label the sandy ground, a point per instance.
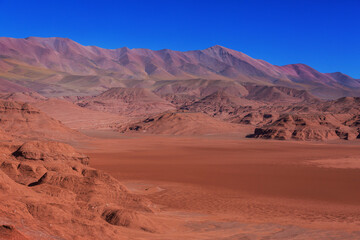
(232, 188)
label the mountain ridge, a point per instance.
(61, 66)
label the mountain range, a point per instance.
(60, 66)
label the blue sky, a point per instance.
(322, 34)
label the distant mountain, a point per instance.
(345, 80)
(59, 66)
(7, 86)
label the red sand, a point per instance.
(243, 181)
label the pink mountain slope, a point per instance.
(58, 64)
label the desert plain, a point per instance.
(230, 188)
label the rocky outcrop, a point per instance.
(128, 218)
(127, 101)
(49, 188)
(49, 151)
(219, 103)
(9, 232)
(24, 121)
(305, 127)
(181, 123)
(279, 94)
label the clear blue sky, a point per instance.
(324, 34)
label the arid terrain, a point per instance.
(229, 188)
(204, 144)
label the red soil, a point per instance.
(251, 182)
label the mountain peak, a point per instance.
(338, 74)
(217, 47)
